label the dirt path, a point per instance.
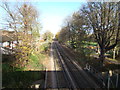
(50, 68)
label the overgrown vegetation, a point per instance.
(29, 53)
(23, 77)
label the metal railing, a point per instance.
(109, 82)
(95, 72)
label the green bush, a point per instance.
(44, 47)
(35, 62)
(8, 68)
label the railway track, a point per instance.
(70, 76)
(68, 79)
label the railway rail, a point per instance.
(71, 75)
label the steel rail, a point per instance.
(66, 73)
(75, 65)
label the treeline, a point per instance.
(94, 22)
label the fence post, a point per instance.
(109, 75)
(89, 67)
(108, 82)
(86, 67)
(117, 80)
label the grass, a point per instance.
(110, 59)
(90, 43)
(34, 60)
(37, 58)
(35, 63)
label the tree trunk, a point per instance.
(98, 49)
(102, 57)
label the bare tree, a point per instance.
(103, 18)
(11, 18)
(24, 21)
